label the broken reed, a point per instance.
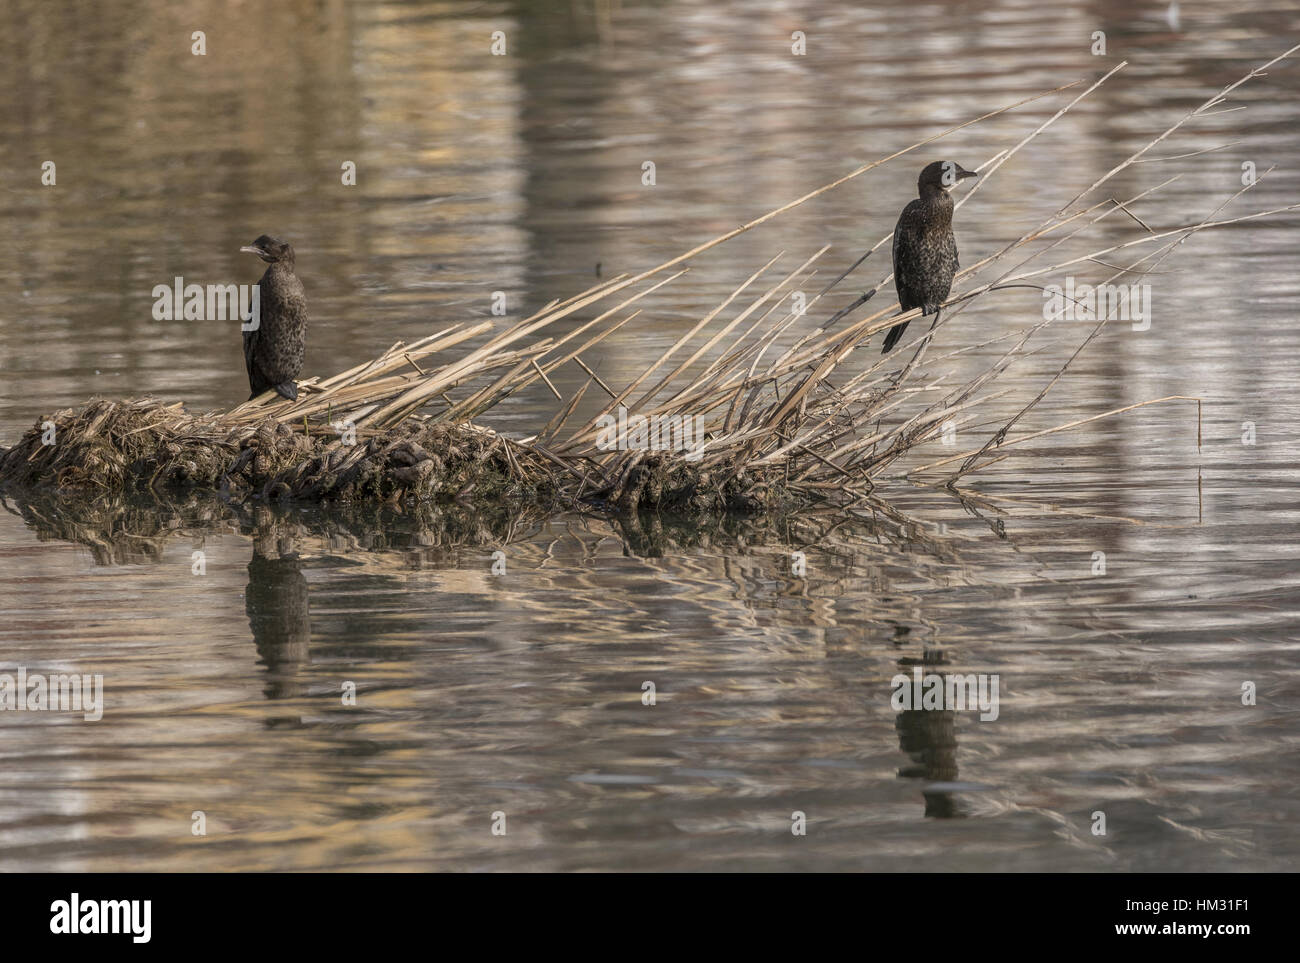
(783, 421)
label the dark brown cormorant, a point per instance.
(925, 250)
(273, 351)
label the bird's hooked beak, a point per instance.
(254, 249)
(961, 174)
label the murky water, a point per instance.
(522, 693)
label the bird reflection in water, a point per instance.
(278, 614)
(929, 737)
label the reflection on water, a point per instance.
(929, 737)
(280, 619)
(522, 692)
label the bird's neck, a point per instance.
(938, 200)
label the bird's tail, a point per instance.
(892, 336)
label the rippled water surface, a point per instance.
(522, 693)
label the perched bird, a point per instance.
(925, 250)
(273, 350)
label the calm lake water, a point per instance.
(1120, 678)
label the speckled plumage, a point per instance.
(273, 352)
(925, 249)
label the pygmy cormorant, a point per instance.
(273, 351)
(925, 250)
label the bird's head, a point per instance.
(270, 249)
(942, 175)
